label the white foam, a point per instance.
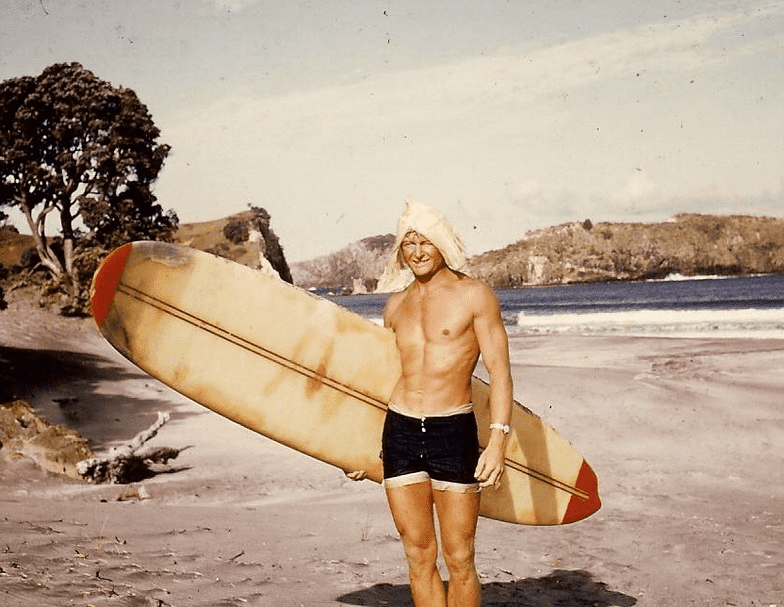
(748, 322)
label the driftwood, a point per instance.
(129, 463)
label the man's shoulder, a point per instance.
(395, 298)
(472, 295)
(393, 303)
(468, 285)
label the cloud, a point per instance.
(525, 192)
(500, 143)
(639, 188)
(234, 5)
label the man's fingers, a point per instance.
(488, 478)
(481, 473)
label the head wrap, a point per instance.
(429, 223)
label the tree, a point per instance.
(74, 146)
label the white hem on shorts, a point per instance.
(420, 477)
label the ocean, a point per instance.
(748, 306)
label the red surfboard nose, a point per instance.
(105, 282)
(578, 507)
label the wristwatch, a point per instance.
(502, 427)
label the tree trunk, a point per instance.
(129, 463)
(45, 253)
(68, 242)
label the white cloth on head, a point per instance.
(431, 224)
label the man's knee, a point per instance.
(421, 553)
(459, 560)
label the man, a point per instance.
(442, 321)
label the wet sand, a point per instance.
(686, 435)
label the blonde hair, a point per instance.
(430, 224)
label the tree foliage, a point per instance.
(236, 231)
(74, 147)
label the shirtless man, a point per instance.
(442, 322)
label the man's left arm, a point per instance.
(494, 347)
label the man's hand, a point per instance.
(357, 475)
(490, 468)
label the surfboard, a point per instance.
(304, 371)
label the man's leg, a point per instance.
(412, 511)
(457, 516)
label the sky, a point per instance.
(507, 115)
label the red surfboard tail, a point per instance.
(580, 508)
(105, 282)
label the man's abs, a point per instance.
(424, 396)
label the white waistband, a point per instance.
(460, 409)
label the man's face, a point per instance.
(421, 255)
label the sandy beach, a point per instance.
(686, 436)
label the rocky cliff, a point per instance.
(690, 245)
(353, 269)
(578, 252)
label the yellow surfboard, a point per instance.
(303, 371)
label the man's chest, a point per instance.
(438, 320)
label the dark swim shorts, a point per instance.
(444, 450)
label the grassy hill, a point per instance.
(12, 247)
(209, 236)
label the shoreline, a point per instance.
(680, 431)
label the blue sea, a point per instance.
(749, 306)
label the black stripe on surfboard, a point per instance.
(250, 346)
(549, 480)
